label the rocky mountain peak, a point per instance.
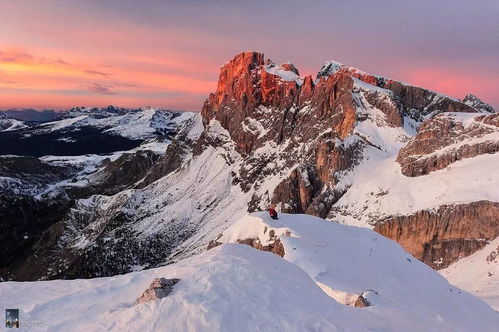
(413, 101)
(287, 66)
(477, 103)
(329, 68)
(231, 72)
(249, 82)
(333, 67)
(8, 123)
(246, 83)
(317, 130)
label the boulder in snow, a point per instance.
(159, 288)
(365, 299)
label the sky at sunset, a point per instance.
(59, 54)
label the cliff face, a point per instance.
(446, 139)
(250, 89)
(440, 237)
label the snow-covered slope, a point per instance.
(235, 287)
(346, 261)
(378, 189)
(478, 273)
(82, 131)
(9, 124)
(76, 161)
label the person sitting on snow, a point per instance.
(273, 212)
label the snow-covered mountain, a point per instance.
(83, 154)
(412, 164)
(7, 123)
(81, 131)
(30, 115)
(134, 124)
(233, 287)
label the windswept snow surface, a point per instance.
(477, 274)
(237, 288)
(346, 261)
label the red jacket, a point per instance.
(272, 212)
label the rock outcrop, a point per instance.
(120, 174)
(273, 244)
(440, 237)
(365, 299)
(478, 104)
(275, 247)
(412, 101)
(493, 256)
(159, 288)
(176, 152)
(255, 102)
(445, 139)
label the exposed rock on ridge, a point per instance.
(159, 288)
(440, 237)
(258, 102)
(414, 101)
(444, 139)
(476, 103)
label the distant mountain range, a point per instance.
(82, 130)
(31, 115)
